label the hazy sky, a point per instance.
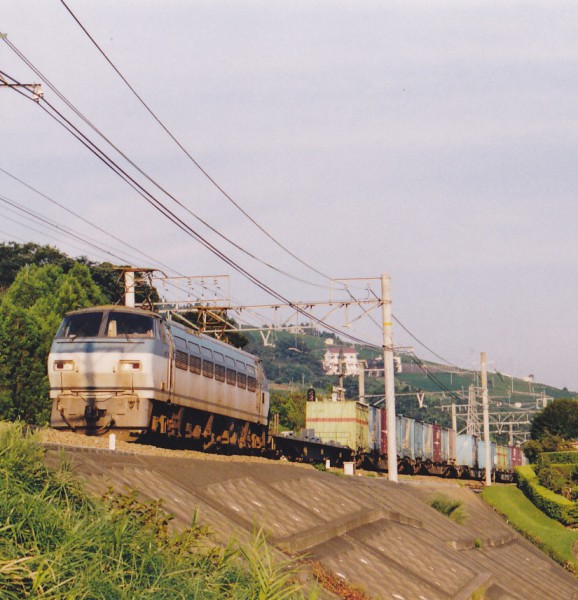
(435, 141)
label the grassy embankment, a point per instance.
(57, 542)
(550, 536)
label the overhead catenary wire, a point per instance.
(204, 172)
(148, 177)
(186, 152)
(61, 228)
(424, 346)
(88, 222)
(43, 233)
(182, 225)
(174, 218)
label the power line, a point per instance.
(191, 158)
(44, 233)
(70, 211)
(141, 100)
(144, 174)
(61, 228)
(135, 166)
(175, 219)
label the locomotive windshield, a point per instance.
(115, 324)
(82, 325)
(122, 324)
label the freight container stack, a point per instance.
(466, 455)
(421, 447)
(374, 433)
(503, 462)
(345, 423)
(482, 457)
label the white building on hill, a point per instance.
(348, 357)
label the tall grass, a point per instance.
(57, 543)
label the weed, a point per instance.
(479, 594)
(449, 507)
(272, 579)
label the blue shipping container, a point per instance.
(466, 450)
(374, 433)
(482, 454)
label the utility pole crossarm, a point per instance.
(35, 88)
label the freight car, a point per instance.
(422, 448)
(131, 371)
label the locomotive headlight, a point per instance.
(130, 365)
(63, 365)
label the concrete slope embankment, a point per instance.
(381, 536)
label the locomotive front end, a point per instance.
(103, 369)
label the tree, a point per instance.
(23, 352)
(560, 418)
(290, 406)
(30, 312)
(14, 257)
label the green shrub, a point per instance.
(555, 506)
(552, 478)
(532, 450)
(549, 535)
(548, 458)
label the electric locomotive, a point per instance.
(133, 372)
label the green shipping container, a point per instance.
(343, 422)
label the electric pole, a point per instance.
(388, 372)
(486, 416)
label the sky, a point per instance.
(434, 141)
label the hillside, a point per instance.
(293, 363)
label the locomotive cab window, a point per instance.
(121, 324)
(80, 325)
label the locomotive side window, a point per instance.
(251, 378)
(121, 324)
(81, 325)
(182, 360)
(195, 358)
(181, 356)
(208, 365)
(219, 366)
(241, 375)
(231, 373)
